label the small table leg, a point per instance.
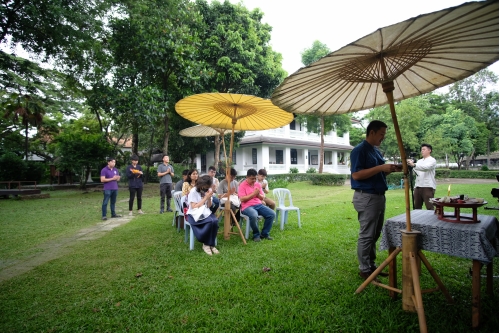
(476, 293)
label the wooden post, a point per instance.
(409, 239)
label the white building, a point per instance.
(278, 150)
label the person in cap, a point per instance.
(135, 184)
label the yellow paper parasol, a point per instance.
(234, 112)
(394, 63)
(204, 131)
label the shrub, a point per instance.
(12, 167)
(311, 170)
(328, 179)
(485, 168)
(35, 171)
(277, 183)
(294, 170)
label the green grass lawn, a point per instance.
(141, 277)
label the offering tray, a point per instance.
(456, 217)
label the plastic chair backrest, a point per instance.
(282, 194)
(177, 200)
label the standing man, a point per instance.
(165, 173)
(368, 180)
(251, 196)
(425, 183)
(110, 177)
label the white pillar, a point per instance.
(263, 157)
(346, 138)
(288, 159)
(198, 162)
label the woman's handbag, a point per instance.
(199, 213)
(234, 200)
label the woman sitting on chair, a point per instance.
(205, 224)
(189, 183)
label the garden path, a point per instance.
(59, 247)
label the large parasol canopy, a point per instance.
(204, 131)
(233, 112)
(394, 63)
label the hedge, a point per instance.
(395, 177)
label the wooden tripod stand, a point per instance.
(228, 217)
(411, 291)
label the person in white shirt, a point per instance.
(425, 183)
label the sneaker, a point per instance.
(266, 237)
(214, 250)
(130, 214)
(140, 211)
(169, 210)
(115, 216)
(161, 211)
(256, 239)
(104, 218)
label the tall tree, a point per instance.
(319, 124)
(155, 42)
(81, 147)
(410, 113)
(235, 55)
(29, 110)
(477, 96)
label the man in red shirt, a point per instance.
(251, 196)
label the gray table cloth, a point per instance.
(476, 241)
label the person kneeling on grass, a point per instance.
(203, 222)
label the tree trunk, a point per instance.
(83, 180)
(322, 146)
(148, 164)
(135, 140)
(165, 137)
(217, 151)
(26, 142)
(488, 152)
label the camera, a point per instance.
(413, 156)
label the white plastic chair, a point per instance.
(281, 194)
(189, 230)
(177, 195)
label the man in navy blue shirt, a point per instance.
(368, 172)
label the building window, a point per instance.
(279, 156)
(314, 159)
(292, 125)
(203, 163)
(254, 155)
(293, 156)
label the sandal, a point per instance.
(207, 249)
(214, 250)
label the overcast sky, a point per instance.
(297, 24)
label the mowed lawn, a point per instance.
(141, 277)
